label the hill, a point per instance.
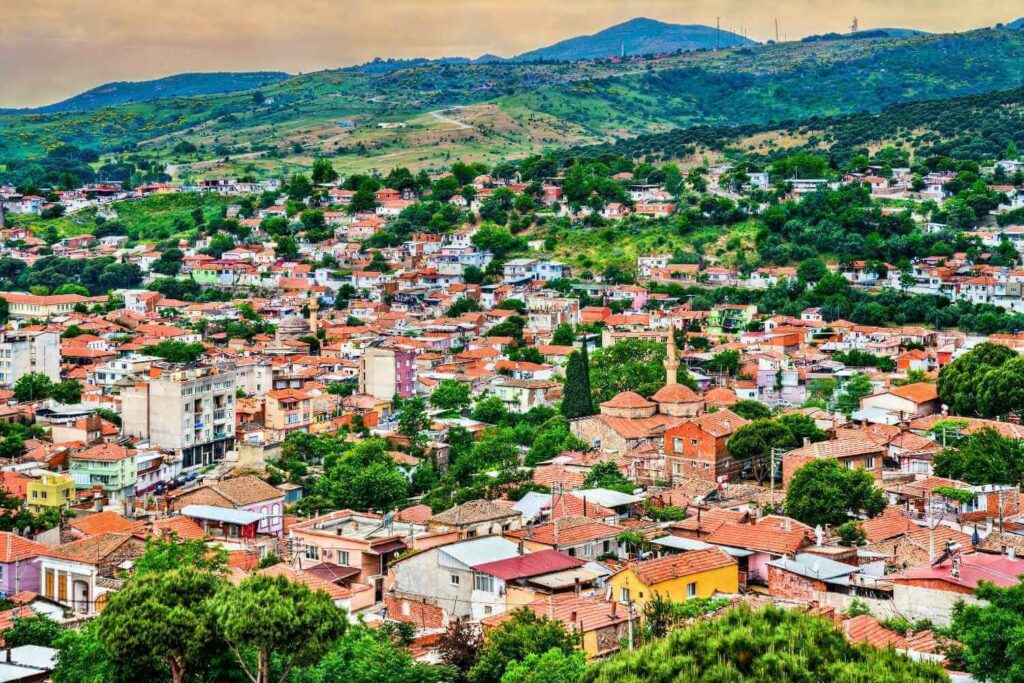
(179, 85)
(638, 36)
(1018, 24)
(422, 114)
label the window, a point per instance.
(484, 582)
(454, 578)
(870, 463)
(677, 468)
(693, 442)
(691, 590)
(677, 444)
(624, 595)
(312, 552)
(588, 550)
(343, 558)
(405, 608)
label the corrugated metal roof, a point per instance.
(218, 514)
(533, 564)
(476, 551)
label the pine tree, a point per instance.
(577, 400)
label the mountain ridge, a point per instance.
(176, 85)
(637, 36)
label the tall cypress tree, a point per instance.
(577, 401)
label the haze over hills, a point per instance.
(178, 85)
(638, 36)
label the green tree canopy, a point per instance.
(631, 365)
(514, 640)
(824, 492)
(451, 394)
(984, 457)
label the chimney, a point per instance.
(576, 589)
(572, 619)
(807, 441)
(1011, 553)
(789, 524)
(519, 548)
(614, 609)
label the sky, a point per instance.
(52, 49)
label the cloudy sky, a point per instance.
(51, 49)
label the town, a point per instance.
(453, 428)
(710, 403)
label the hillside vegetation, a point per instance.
(531, 107)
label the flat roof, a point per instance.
(680, 543)
(219, 514)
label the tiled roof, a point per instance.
(974, 568)
(246, 490)
(182, 527)
(720, 396)
(16, 548)
(89, 550)
(840, 448)
(721, 422)
(571, 531)
(890, 524)
(473, 512)
(551, 474)
(106, 452)
(919, 392)
(627, 399)
(653, 572)
(760, 538)
(591, 612)
(866, 629)
(104, 522)
(676, 393)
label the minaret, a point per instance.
(671, 359)
(314, 306)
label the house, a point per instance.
(931, 590)
(908, 401)
(600, 623)
(49, 490)
(19, 564)
(755, 545)
(522, 578)
(79, 575)
(477, 518)
(692, 574)
(360, 544)
(224, 523)
(107, 465)
(853, 452)
(575, 536)
(247, 492)
(436, 585)
(698, 449)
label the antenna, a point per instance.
(854, 26)
(776, 29)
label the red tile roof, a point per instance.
(761, 538)
(653, 572)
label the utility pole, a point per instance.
(776, 29)
(718, 32)
(629, 621)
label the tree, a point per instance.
(823, 492)
(812, 270)
(299, 188)
(801, 427)
(34, 630)
(276, 620)
(770, 644)
(174, 351)
(491, 410)
(991, 633)
(162, 616)
(369, 655)
(752, 444)
(984, 457)
(413, 421)
(751, 410)
(34, 386)
(631, 365)
(554, 666)
(563, 335)
(523, 634)
(725, 361)
(963, 383)
(163, 555)
(323, 171)
(855, 388)
(451, 395)
(460, 647)
(365, 478)
(577, 400)
(83, 658)
(607, 475)
(68, 392)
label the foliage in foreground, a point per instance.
(771, 644)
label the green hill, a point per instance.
(425, 114)
(179, 85)
(638, 36)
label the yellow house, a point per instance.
(693, 574)
(49, 491)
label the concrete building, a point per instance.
(49, 491)
(27, 306)
(187, 410)
(25, 352)
(386, 372)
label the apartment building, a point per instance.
(22, 352)
(27, 306)
(386, 372)
(187, 410)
